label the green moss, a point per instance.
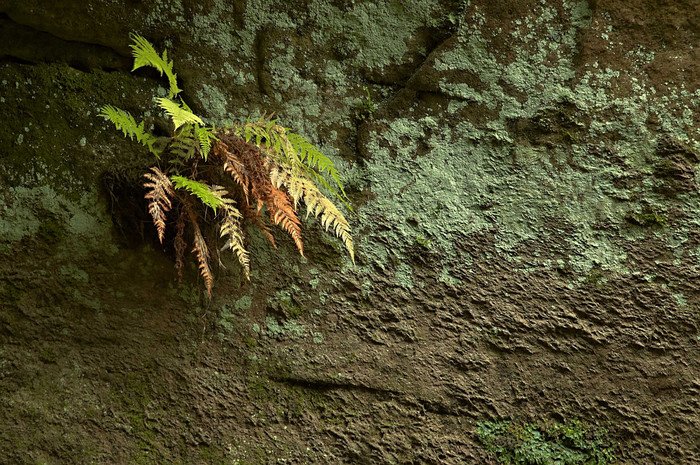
(569, 443)
(61, 151)
(647, 218)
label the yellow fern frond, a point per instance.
(231, 229)
(159, 193)
(178, 114)
(303, 189)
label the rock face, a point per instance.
(525, 180)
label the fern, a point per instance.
(315, 160)
(294, 150)
(183, 146)
(160, 191)
(180, 246)
(145, 55)
(282, 213)
(233, 166)
(253, 174)
(200, 190)
(177, 113)
(127, 124)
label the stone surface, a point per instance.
(527, 226)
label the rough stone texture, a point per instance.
(527, 222)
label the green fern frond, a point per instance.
(127, 124)
(178, 114)
(300, 154)
(146, 55)
(205, 137)
(312, 157)
(200, 190)
(183, 145)
(257, 131)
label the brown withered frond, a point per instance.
(257, 219)
(180, 246)
(247, 165)
(247, 162)
(234, 167)
(202, 252)
(159, 192)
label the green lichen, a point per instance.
(563, 183)
(288, 329)
(371, 34)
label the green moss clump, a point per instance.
(568, 443)
(647, 218)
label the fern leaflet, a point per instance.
(282, 214)
(146, 55)
(314, 159)
(180, 245)
(127, 124)
(202, 252)
(200, 190)
(205, 136)
(231, 229)
(159, 193)
(178, 114)
(183, 145)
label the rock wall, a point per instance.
(525, 180)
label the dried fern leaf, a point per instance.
(146, 55)
(202, 251)
(159, 192)
(258, 221)
(177, 113)
(199, 189)
(234, 167)
(180, 246)
(247, 164)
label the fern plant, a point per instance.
(255, 173)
